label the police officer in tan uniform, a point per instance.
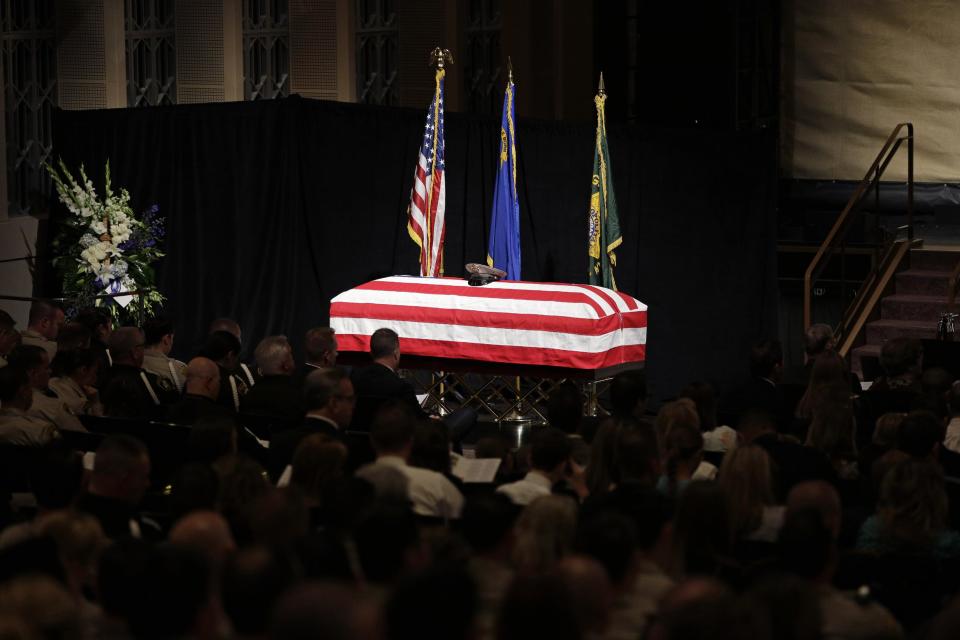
(45, 404)
(16, 426)
(158, 337)
(43, 326)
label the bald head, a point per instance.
(126, 346)
(205, 532)
(821, 497)
(203, 378)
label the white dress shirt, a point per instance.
(523, 492)
(430, 492)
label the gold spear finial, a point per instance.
(509, 70)
(439, 58)
(601, 90)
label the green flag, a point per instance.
(604, 224)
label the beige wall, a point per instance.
(853, 69)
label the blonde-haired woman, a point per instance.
(746, 478)
(544, 533)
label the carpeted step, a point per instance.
(871, 350)
(933, 260)
(923, 282)
(879, 331)
(913, 307)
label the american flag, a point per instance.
(573, 326)
(426, 224)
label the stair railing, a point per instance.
(868, 294)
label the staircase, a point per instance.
(913, 308)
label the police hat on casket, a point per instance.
(481, 274)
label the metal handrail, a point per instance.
(870, 180)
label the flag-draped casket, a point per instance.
(524, 323)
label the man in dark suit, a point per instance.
(128, 390)
(320, 350)
(118, 482)
(201, 389)
(377, 383)
(277, 393)
(223, 348)
(329, 399)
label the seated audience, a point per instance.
(898, 389)
(118, 482)
(276, 393)
(324, 610)
(211, 438)
(808, 548)
(158, 342)
(223, 348)
(832, 432)
(127, 390)
(241, 370)
(885, 436)
(329, 400)
(951, 440)
(99, 325)
(793, 462)
(251, 583)
(320, 350)
(550, 461)
(46, 404)
(911, 513)
(763, 390)
(682, 459)
(487, 526)
(702, 532)
(207, 534)
(539, 606)
(391, 434)
(43, 325)
(602, 471)
(72, 336)
(829, 384)
(588, 584)
(438, 603)
(9, 336)
(378, 383)
(717, 438)
(565, 412)
(319, 471)
(17, 427)
(544, 533)
(747, 483)
(200, 392)
(638, 470)
(241, 481)
(76, 385)
(628, 395)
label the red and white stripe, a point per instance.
(531, 323)
(431, 255)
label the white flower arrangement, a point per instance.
(104, 247)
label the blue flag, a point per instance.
(504, 249)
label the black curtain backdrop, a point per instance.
(274, 207)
